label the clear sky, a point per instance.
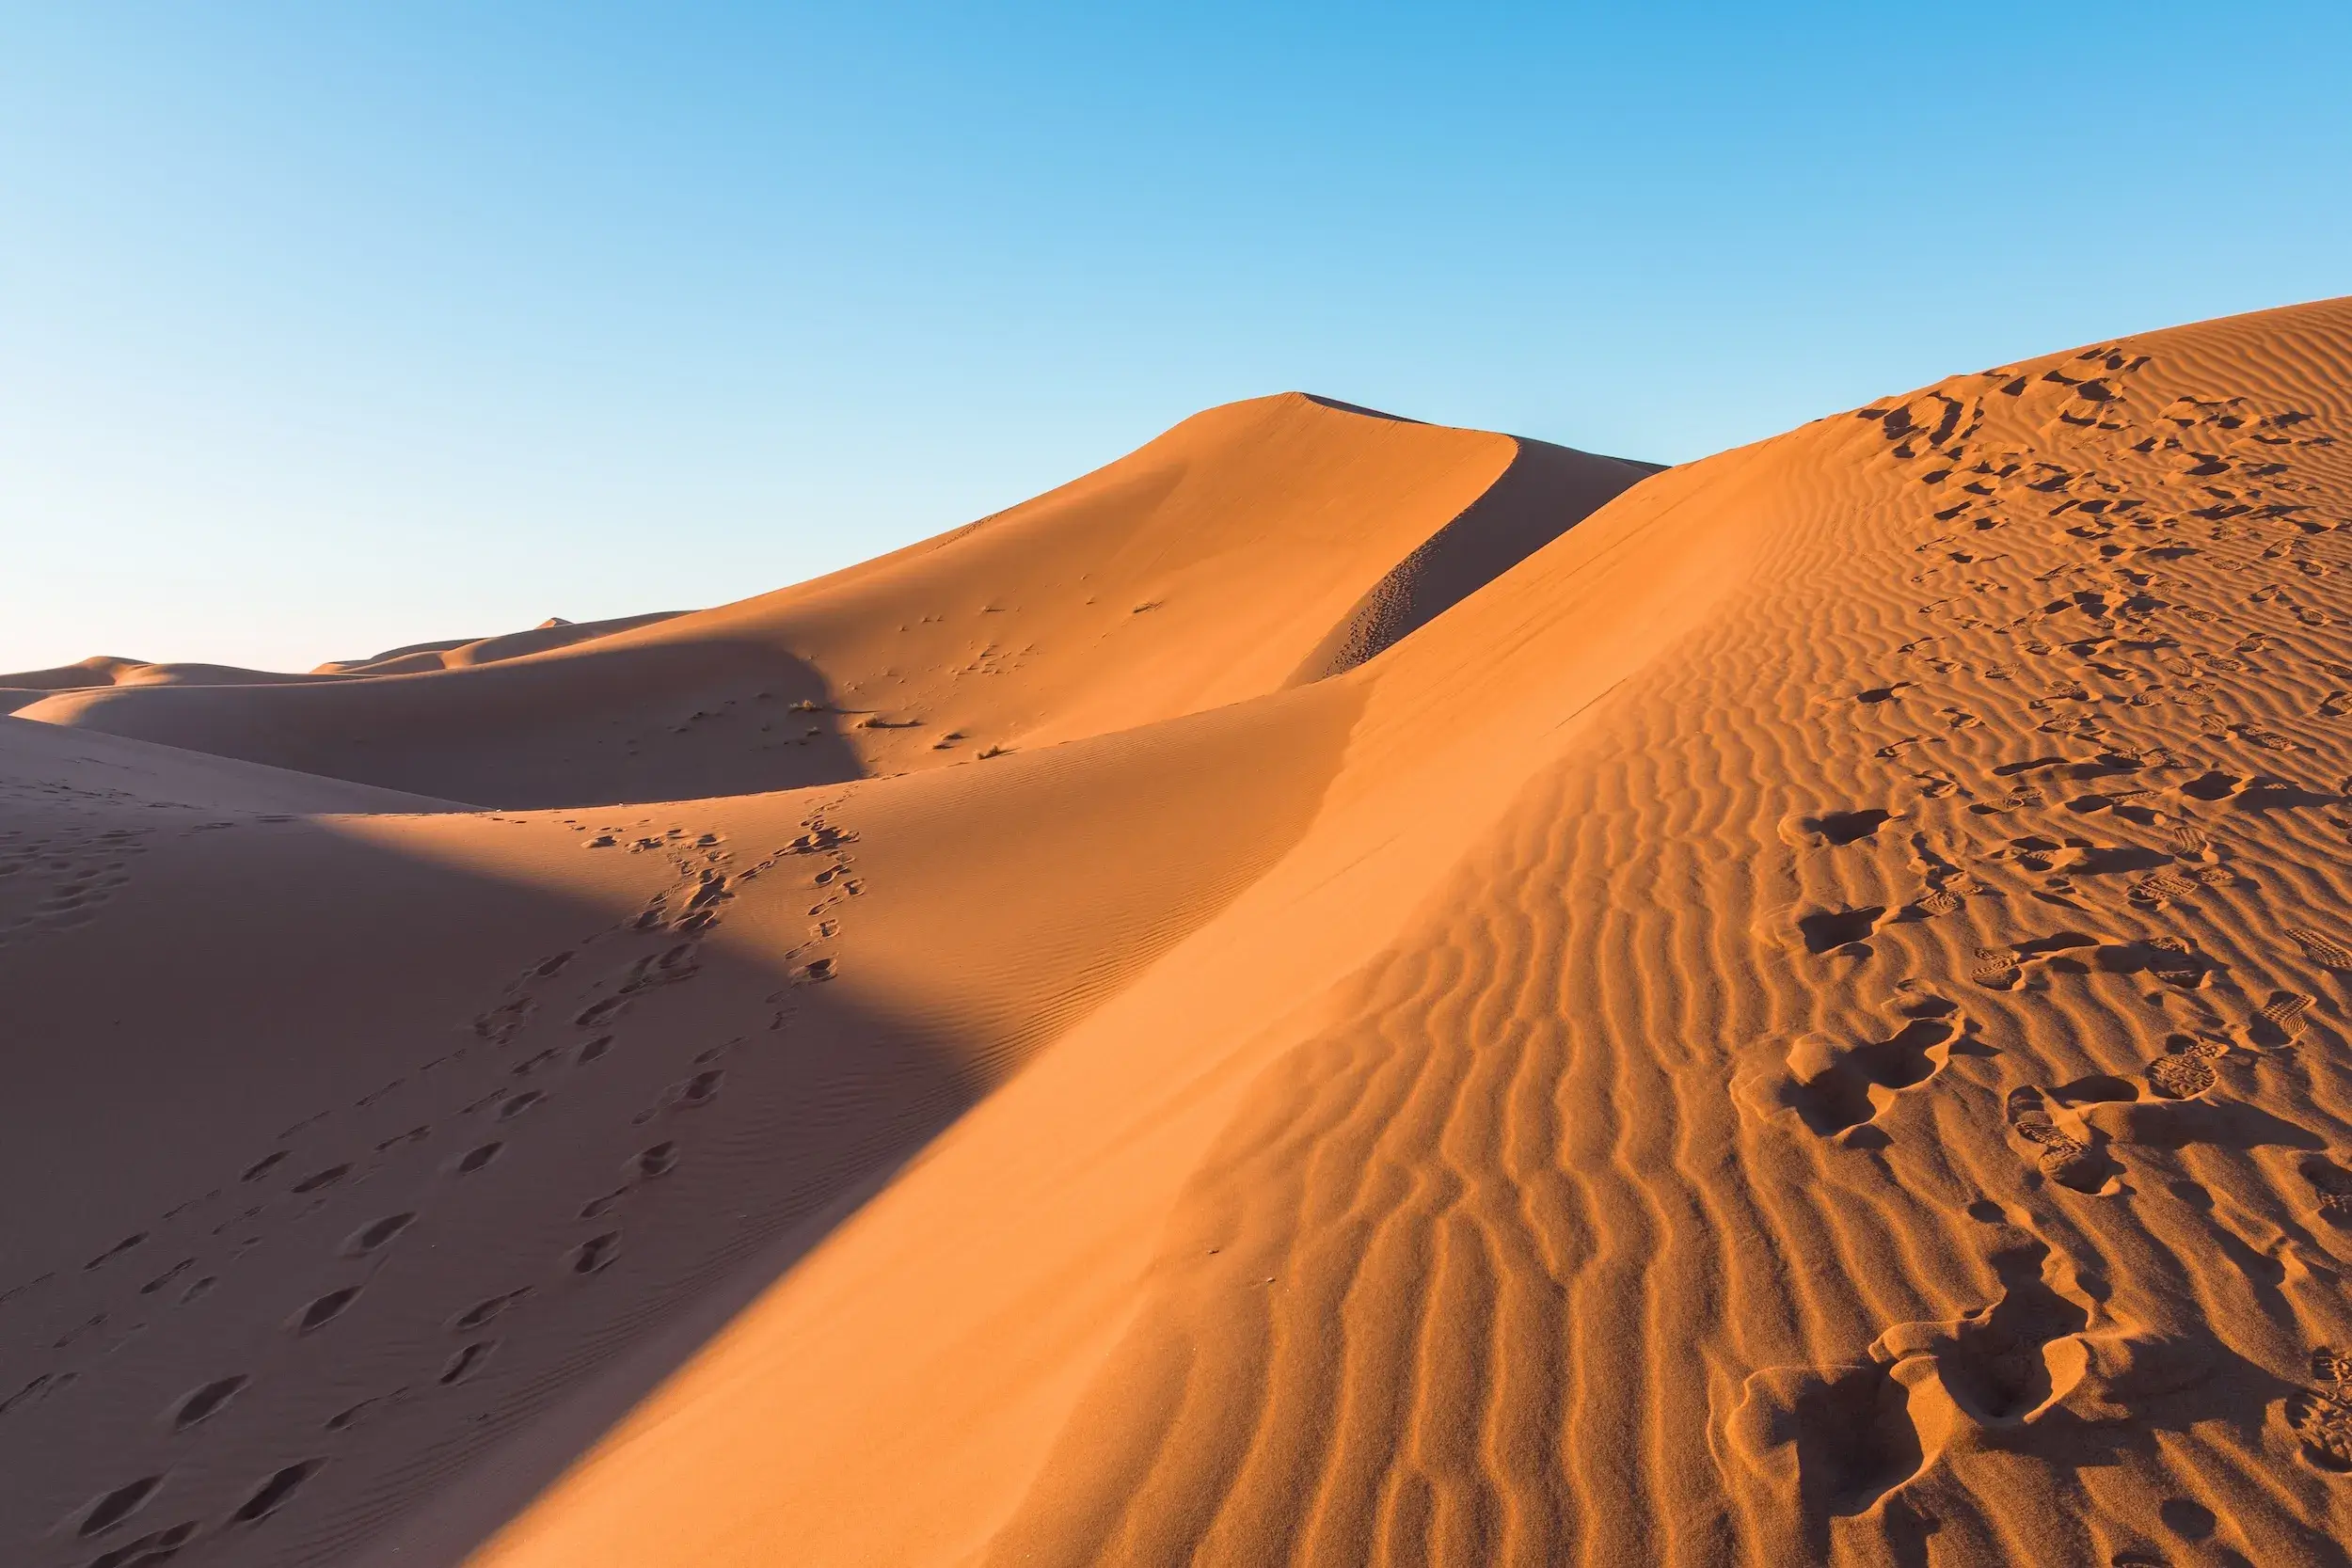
(326, 328)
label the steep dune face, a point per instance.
(1198, 571)
(1799, 1019)
(1545, 488)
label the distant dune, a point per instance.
(1197, 572)
(1337, 990)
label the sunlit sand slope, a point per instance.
(1808, 1024)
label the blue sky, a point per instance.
(329, 327)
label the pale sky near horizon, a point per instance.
(328, 327)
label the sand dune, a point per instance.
(25, 688)
(456, 653)
(1790, 1010)
(1198, 571)
(22, 689)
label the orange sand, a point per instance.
(1336, 991)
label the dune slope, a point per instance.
(1873, 1091)
(417, 1120)
(1800, 1018)
(1199, 570)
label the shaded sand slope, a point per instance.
(79, 811)
(1198, 571)
(45, 769)
(1807, 1026)
(413, 1124)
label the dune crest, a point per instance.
(1198, 571)
(1485, 1005)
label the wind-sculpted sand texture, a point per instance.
(1878, 1097)
(1803, 1020)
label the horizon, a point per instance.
(330, 334)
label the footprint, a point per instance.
(1831, 1088)
(659, 1160)
(272, 1494)
(2321, 1418)
(115, 1251)
(2331, 1188)
(2171, 961)
(2100, 1088)
(483, 1311)
(327, 1178)
(503, 1023)
(1828, 930)
(324, 1310)
(597, 1253)
(2321, 951)
(207, 1402)
(263, 1166)
(344, 1420)
(1833, 827)
(2183, 1077)
(2160, 889)
(1842, 1434)
(2001, 967)
(597, 1014)
(167, 1276)
(474, 1158)
(1995, 1363)
(117, 1506)
(530, 1065)
(515, 1105)
(378, 1234)
(2281, 1019)
(1937, 901)
(698, 1090)
(465, 1363)
(149, 1550)
(2063, 1158)
(1996, 967)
